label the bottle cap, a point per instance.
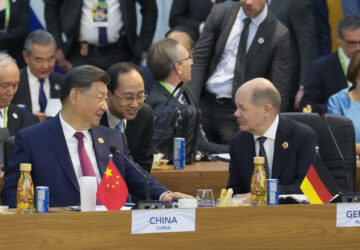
(25, 167)
(258, 160)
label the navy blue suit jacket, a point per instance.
(325, 79)
(290, 164)
(44, 146)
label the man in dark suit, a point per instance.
(102, 39)
(240, 41)
(11, 117)
(289, 146)
(170, 64)
(38, 81)
(327, 74)
(298, 17)
(71, 145)
(127, 112)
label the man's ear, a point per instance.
(177, 68)
(74, 96)
(26, 57)
(268, 110)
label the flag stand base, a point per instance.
(149, 204)
(345, 197)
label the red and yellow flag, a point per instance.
(112, 191)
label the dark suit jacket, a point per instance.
(290, 165)
(298, 17)
(23, 95)
(325, 79)
(13, 39)
(19, 118)
(69, 22)
(189, 13)
(139, 134)
(269, 59)
(44, 146)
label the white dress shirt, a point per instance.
(114, 121)
(72, 144)
(269, 144)
(172, 87)
(2, 118)
(89, 31)
(34, 86)
(221, 81)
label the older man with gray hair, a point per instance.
(11, 116)
(287, 146)
(38, 81)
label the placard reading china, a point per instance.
(162, 221)
(348, 215)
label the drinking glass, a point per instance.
(205, 198)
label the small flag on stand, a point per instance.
(318, 185)
(112, 191)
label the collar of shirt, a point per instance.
(256, 21)
(114, 121)
(172, 87)
(34, 90)
(271, 131)
(346, 59)
(70, 131)
(2, 118)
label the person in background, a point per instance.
(38, 81)
(327, 74)
(350, 7)
(11, 116)
(346, 102)
(14, 27)
(71, 145)
(128, 113)
(288, 147)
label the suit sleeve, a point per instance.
(234, 181)
(350, 7)
(302, 20)
(178, 15)
(149, 18)
(304, 158)
(52, 19)
(19, 31)
(333, 105)
(204, 52)
(279, 73)
(12, 174)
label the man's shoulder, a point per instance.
(56, 78)
(17, 112)
(274, 23)
(295, 127)
(241, 136)
(326, 61)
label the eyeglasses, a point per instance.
(187, 58)
(139, 98)
(351, 43)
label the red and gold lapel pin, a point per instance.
(285, 145)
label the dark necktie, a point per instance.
(102, 33)
(241, 56)
(42, 96)
(262, 153)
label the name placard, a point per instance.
(163, 221)
(348, 215)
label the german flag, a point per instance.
(318, 185)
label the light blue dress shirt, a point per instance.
(341, 104)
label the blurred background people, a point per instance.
(346, 102)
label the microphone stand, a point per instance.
(147, 203)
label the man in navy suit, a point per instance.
(327, 74)
(289, 146)
(56, 147)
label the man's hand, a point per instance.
(246, 198)
(298, 98)
(63, 64)
(174, 196)
(41, 116)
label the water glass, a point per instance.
(205, 198)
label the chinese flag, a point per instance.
(112, 191)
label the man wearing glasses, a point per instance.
(327, 74)
(127, 112)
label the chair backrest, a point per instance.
(344, 133)
(9, 146)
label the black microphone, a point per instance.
(349, 183)
(147, 203)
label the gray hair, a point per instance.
(162, 57)
(40, 37)
(266, 95)
(5, 60)
(349, 22)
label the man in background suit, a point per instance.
(104, 39)
(11, 117)
(298, 17)
(289, 146)
(38, 81)
(128, 113)
(71, 145)
(240, 41)
(327, 74)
